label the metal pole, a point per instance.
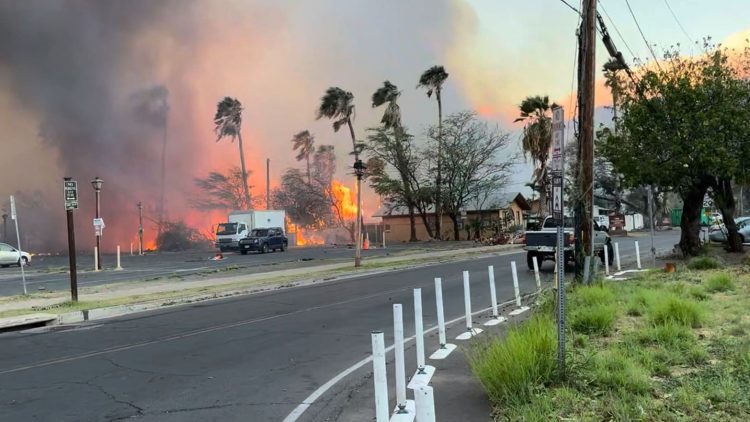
(617, 256)
(98, 236)
(637, 255)
(268, 183)
(425, 404)
(515, 283)
(467, 301)
(440, 314)
(536, 273)
(119, 267)
(419, 330)
(606, 260)
(358, 237)
(140, 228)
(651, 223)
(14, 215)
(72, 257)
(493, 292)
(398, 351)
(96, 258)
(379, 376)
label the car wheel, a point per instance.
(243, 252)
(530, 260)
(611, 253)
(283, 247)
(25, 261)
(264, 248)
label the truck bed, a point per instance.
(542, 238)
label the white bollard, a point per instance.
(445, 348)
(470, 330)
(637, 255)
(496, 318)
(606, 260)
(119, 267)
(617, 256)
(425, 401)
(384, 238)
(96, 259)
(424, 373)
(398, 351)
(521, 309)
(382, 412)
(131, 248)
(536, 273)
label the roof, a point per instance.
(389, 211)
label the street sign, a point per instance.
(558, 133)
(12, 208)
(99, 226)
(558, 205)
(70, 188)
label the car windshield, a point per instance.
(552, 223)
(226, 229)
(259, 232)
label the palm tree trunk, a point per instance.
(308, 168)
(245, 188)
(439, 181)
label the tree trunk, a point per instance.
(308, 169)
(426, 222)
(245, 188)
(456, 230)
(690, 243)
(725, 201)
(412, 225)
(542, 198)
(439, 181)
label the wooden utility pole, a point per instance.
(586, 82)
(268, 183)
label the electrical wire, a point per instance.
(571, 7)
(612, 22)
(679, 23)
(627, 2)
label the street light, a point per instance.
(140, 228)
(359, 170)
(97, 185)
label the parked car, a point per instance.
(264, 240)
(541, 244)
(719, 232)
(9, 256)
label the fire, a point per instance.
(305, 238)
(346, 201)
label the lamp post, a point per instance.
(97, 185)
(140, 228)
(359, 170)
(5, 227)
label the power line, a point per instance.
(612, 22)
(678, 22)
(571, 7)
(627, 2)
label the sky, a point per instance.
(70, 70)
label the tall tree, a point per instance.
(304, 144)
(537, 140)
(388, 94)
(432, 80)
(222, 191)
(338, 105)
(228, 123)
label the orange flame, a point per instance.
(346, 202)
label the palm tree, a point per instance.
(537, 140)
(338, 105)
(305, 143)
(228, 123)
(432, 79)
(388, 94)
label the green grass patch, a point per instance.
(513, 368)
(612, 370)
(593, 294)
(672, 309)
(593, 320)
(703, 263)
(720, 282)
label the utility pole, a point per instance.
(585, 153)
(268, 183)
(140, 228)
(70, 188)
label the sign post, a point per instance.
(70, 188)
(21, 263)
(558, 207)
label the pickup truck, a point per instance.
(264, 240)
(541, 244)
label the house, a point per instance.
(474, 222)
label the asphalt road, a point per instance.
(50, 273)
(252, 358)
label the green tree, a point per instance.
(228, 123)
(432, 80)
(537, 140)
(685, 127)
(222, 191)
(304, 143)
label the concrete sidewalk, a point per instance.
(127, 297)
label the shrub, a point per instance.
(703, 263)
(593, 319)
(511, 369)
(719, 283)
(613, 370)
(671, 309)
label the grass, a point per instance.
(703, 263)
(659, 347)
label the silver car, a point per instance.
(719, 233)
(9, 256)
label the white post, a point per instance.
(131, 248)
(637, 255)
(493, 293)
(425, 402)
(96, 259)
(606, 260)
(536, 273)
(470, 330)
(517, 291)
(617, 256)
(119, 267)
(383, 237)
(382, 412)
(445, 349)
(398, 345)
(419, 330)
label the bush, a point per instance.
(721, 282)
(511, 369)
(703, 263)
(594, 319)
(671, 309)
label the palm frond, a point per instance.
(228, 118)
